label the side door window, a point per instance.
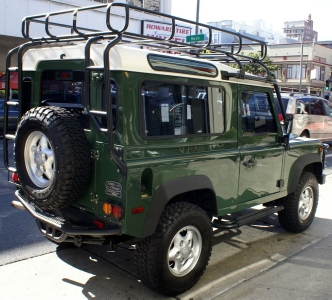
(256, 113)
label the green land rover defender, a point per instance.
(152, 142)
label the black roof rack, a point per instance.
(227, 53)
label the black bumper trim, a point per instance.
(60, 224)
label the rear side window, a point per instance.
(181, 110)
(62, 86)
(257, 116)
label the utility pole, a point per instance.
(301, 61)
(197, 15)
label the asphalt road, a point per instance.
(237, 254)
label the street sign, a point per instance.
(194, 38)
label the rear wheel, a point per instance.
(300, 206)
(175, 257)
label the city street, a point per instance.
(32, 267)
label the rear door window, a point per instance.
(62, 86)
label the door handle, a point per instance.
(249, 163)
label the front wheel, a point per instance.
(176, 255)
(300, 206)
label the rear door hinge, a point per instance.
(94, 198)
(95, 154)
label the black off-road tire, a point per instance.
(62, 147)
(294, 217)
(188, 223)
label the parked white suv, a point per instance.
(312, 115)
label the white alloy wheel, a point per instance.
(184, 251)
(306, 203)
(39, 159)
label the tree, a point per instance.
(256, 69)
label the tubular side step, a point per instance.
(247, 218)
(12, 103)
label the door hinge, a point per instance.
(94, 198)
(95, 154)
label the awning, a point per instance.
(13, 85)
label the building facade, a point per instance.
(297, 29)
(255, 29)
(306, 71)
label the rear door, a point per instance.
(261, 155)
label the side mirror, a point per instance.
(287, 130)
(289, 123)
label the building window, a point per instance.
(215, 38)
(293, 71)
(320, 73)
(153, 5)
(277, 73)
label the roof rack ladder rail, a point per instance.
(113, 153)
(7, 137)
(20, 51)
(87, 71)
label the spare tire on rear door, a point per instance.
(52, 157)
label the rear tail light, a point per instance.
(115, 210)
(15, 177)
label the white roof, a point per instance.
(122, 58)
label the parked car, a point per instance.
(312, 115)
(12, 117)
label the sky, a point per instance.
(274, 13)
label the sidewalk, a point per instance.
(305, 275)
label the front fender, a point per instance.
(299, 165)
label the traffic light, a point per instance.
(327, 85)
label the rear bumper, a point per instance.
(56, 228)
